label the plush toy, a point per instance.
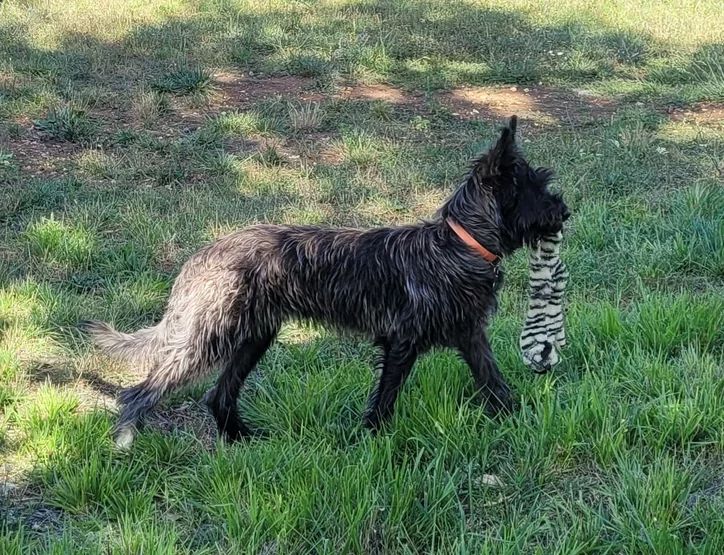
(544, 334)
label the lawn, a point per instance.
(133, 132)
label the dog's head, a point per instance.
(527, 208)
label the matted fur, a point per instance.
(407, 288)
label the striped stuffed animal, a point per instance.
(544, 334)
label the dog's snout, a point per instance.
(566, 213)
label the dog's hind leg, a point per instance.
(135, 403)
(397, 360)
(222, 398)
(176, 368)
(490, 383)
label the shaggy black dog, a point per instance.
(407, 288)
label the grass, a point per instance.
(149, 105)
(184, 81)
(306, 117)
(66, 124)
(132, 135)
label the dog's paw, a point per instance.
(123, 437)
(373, 423)
(243, 433)
(208, 397)
(499, 400)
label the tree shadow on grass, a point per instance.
(428, 48)
(418, 46)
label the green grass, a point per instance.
(66, 124)
(132, 135)
(184, 81)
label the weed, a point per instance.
(100, 164)
(148, 105)
(8, 166)
(306, 117)
(58, 242)
(270, 156)
(67, 124)
(308, 66)
(185, 81)
(361, 148)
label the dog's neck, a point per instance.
(469, 240)
(476, 211)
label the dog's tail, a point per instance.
(138, 347)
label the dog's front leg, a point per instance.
(396, 362)
(490, 383)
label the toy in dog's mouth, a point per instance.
(544, 334)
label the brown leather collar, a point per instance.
(470, 241)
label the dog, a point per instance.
(408, 289)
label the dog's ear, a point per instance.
(501, 159)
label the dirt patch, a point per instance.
(379, 92)
(232, 91)
(316, 148)
(36, 156)
(236, 90)
(712, 491)
(305, 150)
(710, 114)
(239, 90)
(542, 106)
(21, 505)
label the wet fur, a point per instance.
(407, 288)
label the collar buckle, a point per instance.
(496, 273)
